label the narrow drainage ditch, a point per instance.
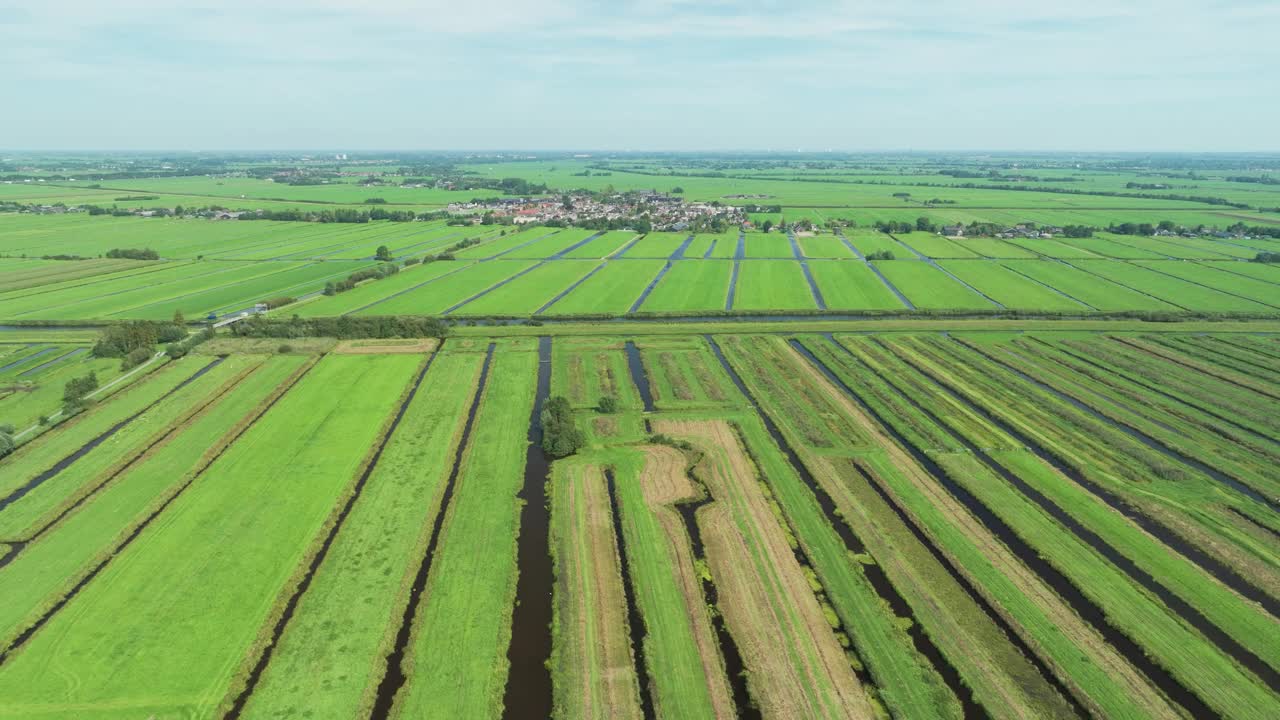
(635, 364)
(529, 689)
(255, 674)
(1050, 575)
(874, 573)
(1173, 602)
(88, 447)
(27, 634)
(635, 623)
(394, 677)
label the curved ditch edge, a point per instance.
(635, 622)
(264, 658)
(875, 574)
(734, 668)
(1181, 608)
(1206, 562)
(88, 447)
(1088, 611)
(128, 463)
(393, 677)
(528, 691)
(27, 634)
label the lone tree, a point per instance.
(383, 253)
(77, 388)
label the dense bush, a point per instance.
(135, 358)
(343, 328)
(275, 302)
(77, 388)
(120, 340)
(880, 255)
(607, 405)
(133, 254)
(560, 434)
(377, 273)
(1266, 257)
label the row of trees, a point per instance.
(133, 253)
(385, 270)
(344, 328)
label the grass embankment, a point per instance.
(1211, 675)
(796, 665)
(974, 643)
(363, 584)
(1079, 657)
(98, 465)
(52, 564)
(215, 564)
(593, 668)
(468, 599)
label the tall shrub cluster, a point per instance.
(560, 434)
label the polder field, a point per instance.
(223, 268)
(532, 471)
(826, 518)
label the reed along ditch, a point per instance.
(529, 691)
(874, 573)
(635, 623)
(961, 579)
(1187, 363)
(88, 447)
(259, 667)
(1173, 602)
(1211, 565)
(1145, 439)
(636, 366)
(1088, 610)
(27, 634)
(394, 678)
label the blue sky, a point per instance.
(663, 74)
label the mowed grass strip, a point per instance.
(31, 510)
(437, 296)
(994, 248)
(1009, 288)
(46, 450)
(929, 288)
(824, 246)
(363, 585)
(603, 246)
(773, 245)
(772, 285)
(657, 245)
(1210, 276)
(371, 291)
(1174, 290)
(593, 669)
(47, 567)
(550, 246)
(691, 285)
(852, 286)
(1090, 289)
(680, 646)
(456, 663)
(612, 291)
(215, 565)
(527, 293)
(935, 246)
(797, 667)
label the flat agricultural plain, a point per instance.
(905, 439)
(767, 521)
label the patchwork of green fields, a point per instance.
(1017, 524)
